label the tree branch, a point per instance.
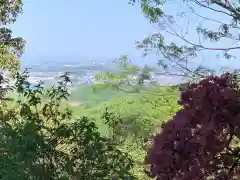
(215, 10)
(228, 6)
(198, 45)
(209, 19)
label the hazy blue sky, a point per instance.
(96, 29)
(90, 29)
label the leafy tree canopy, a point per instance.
(183, 35)
(188, 28)
(201, 141)
(10, 47)
(40, 139)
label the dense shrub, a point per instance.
(37, 140)
(201, 140)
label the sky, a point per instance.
(97, 30)
(80, 29)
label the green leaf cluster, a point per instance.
(40, 140)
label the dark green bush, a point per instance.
(38, 140)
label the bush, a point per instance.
(201, 140)
(37, 140)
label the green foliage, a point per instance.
(10, 48)
(39, 140)
(133, 119)
(141, 113)
(9, 10)
(138, 112)
(186, 32)
(89, 97)
(129, 78)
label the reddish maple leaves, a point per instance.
(201, 141)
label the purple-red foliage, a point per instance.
(197, 143)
